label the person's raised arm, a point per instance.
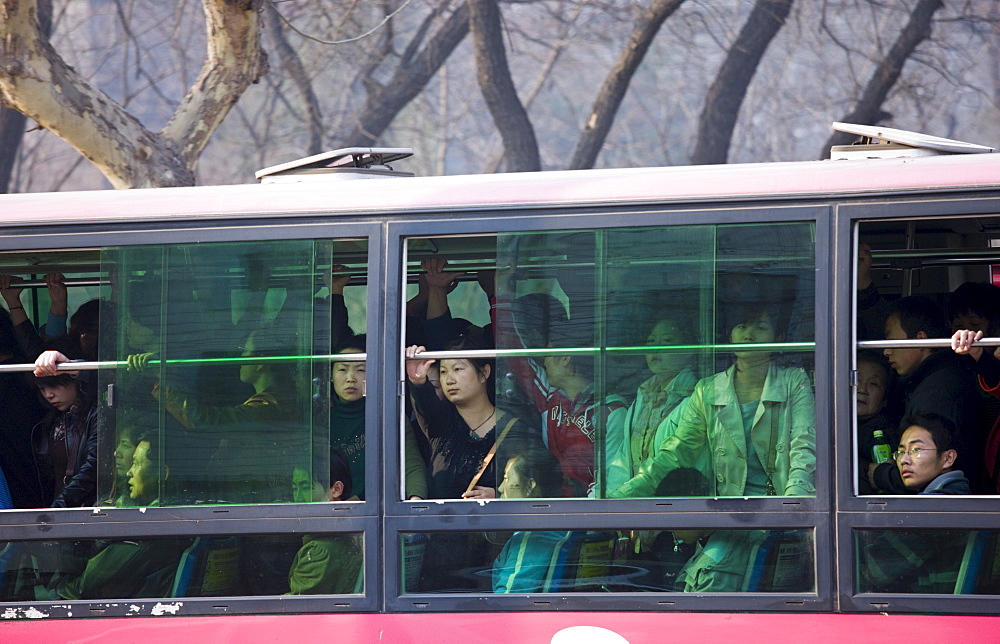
(55, 324)
(439, 283)
(12, 298)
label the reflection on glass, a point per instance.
(928, 561)
(557, 561)
(205, 566)
(607, 343)
(219, 340)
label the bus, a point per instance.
(646, 424)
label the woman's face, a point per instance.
(460, 381)
(758, 331)
(872, 383)
(61, 397)
(123, 454)
(513, 486)
(349, 379)
(664, 333)
(142, 483)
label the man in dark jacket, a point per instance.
(923, 561)
(934, 381)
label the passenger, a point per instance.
(919, 561)
(28, 337)
(347, 411)
(873, 309)
(65, 441)
(462, 428)
(525, 563)
(721, 559)
(673, 380)
(974, 306)
(20, 410)
(926, 456)
(270, 380)
(756, 420)
(872, 395)
(131, 569)
(987, 367)
(326, 564)
(129, 426)
(934, 381)
(440, 327)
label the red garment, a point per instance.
(991, 451)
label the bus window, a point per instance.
(219, 340)
(572, 316)
(561, 561)
(940, 562)
(926, 279)
(203, 566)
(218, 353)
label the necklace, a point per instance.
(485, 420)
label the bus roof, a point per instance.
(570, 188)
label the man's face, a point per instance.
(903, 361)
(306, 489)
(926, 464)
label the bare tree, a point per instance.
(292, 65)
(609, 99)
(36, 81)
(725, 96)
(868, 110)
(520, 145)
(417, 65)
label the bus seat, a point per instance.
(972, 562)
(582, 562)
(778, 563)
(208, 568)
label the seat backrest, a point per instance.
(209, 567)
(972, 562)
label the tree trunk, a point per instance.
(510, 117)
(725, 96)
(37, 82)
(602, 116)
(868, 110)
(12, 122)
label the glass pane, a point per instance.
(928, 561)
(560, 561)
(206, 566)
(222, 399)
(573, 315)
(927, 279)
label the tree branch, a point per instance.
(409, 79)
(234, 61)
(609, 99)
(725, 96)
(868, 110)
(37, 82)
(498, 88)
(293, 66)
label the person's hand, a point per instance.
(864, 266)
(56, 284)
(47, 364)
(416, 370)
(11, 294)
(963, 342)
(480, 492)
(437, 277)
(337, 278)
(137, 362)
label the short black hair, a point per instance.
(542, 466)
(943, 431)
(340, 470)
(975, 297)
(917, 313)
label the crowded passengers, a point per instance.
(550, 418)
